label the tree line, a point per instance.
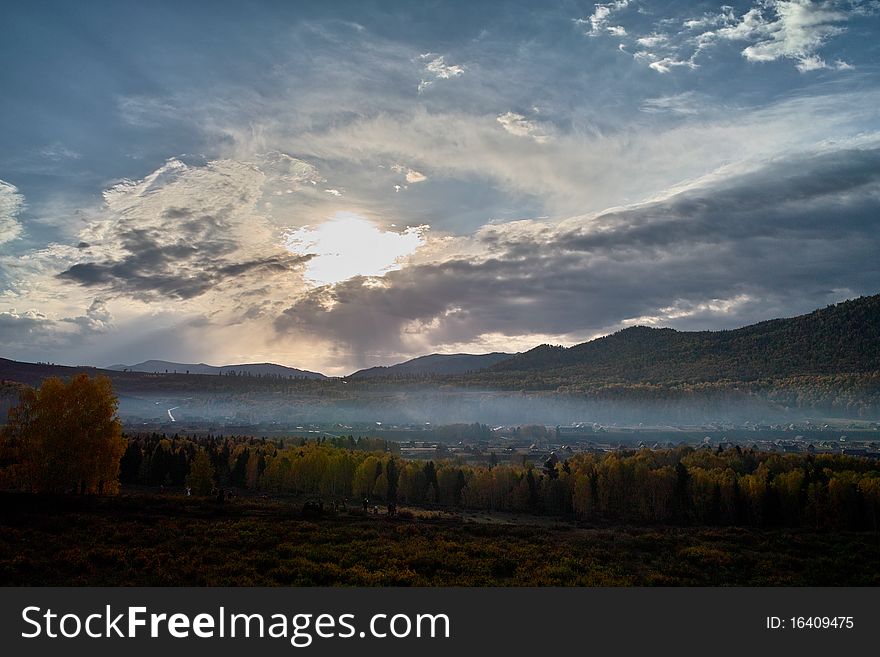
(66, 438)
(684, 485)
(153, 459)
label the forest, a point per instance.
(65, 438)
(842, 338)
(681, 486)
(83, 503)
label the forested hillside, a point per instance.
(827, 362)
(839, 339)
(439, 364)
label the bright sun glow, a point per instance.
(349, 245)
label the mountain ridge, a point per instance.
(840, 338)
(155, 366)
(438, 364)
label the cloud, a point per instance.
(580, 171)
(725, 16)
(597, 22)
(11, 205)
(177, 233)
(724, 251)
(410, 175)
(284, 174)
(707, 311)
(441, 70)
(192, 250)
(517, 124)
(668, 63)
(437, 68)
(790, 29)
(18, 328)
(688, 102)
(652, 40)
(772, 30)
(196, 250)
(58, 152)
(40, 331)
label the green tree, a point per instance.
(681, 498)
(392, 473)
(201, 474)
(869, 487)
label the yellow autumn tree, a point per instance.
(66, 437)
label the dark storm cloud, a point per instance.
(18, 328)
(181, 272)
(824, 197)
(32, 327)
(780, 239)
(198, 261)
(180, 232)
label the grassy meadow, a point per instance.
(141, 538)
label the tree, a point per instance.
(201, 474)
(680, 494)
(392, 473)
(66, 437)
(869, 487)
(130, 465)
(430, 473)
(365, 476)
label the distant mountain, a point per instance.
(435, 364)
(842, 338)
(823, 364)
(253, 369)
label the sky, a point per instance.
(338, 185)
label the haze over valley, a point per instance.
(825, 364)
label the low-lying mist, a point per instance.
(450, 407)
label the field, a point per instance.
(143, 538)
